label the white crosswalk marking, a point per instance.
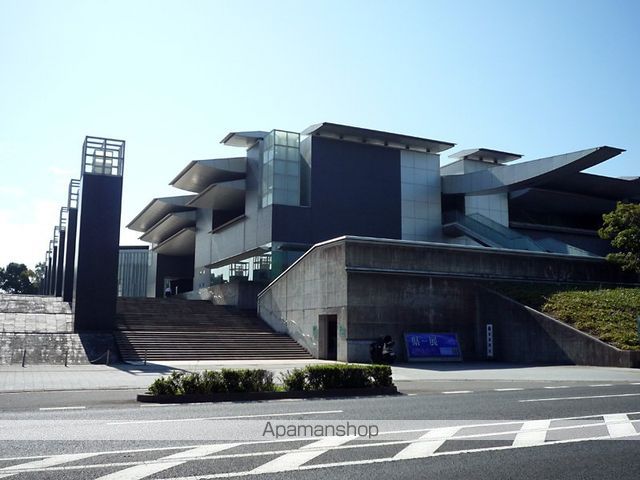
(292, 461)
(533, 432)
(427, 444)
(44, 463)
(285, 457)
(619, 425)
(141, 471)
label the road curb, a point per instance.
(250, 396)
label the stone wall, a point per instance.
(55, 348)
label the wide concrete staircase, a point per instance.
(177, 329)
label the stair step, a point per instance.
(177, 329)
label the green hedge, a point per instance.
(209, 381)
(309, 378)
(325, 377)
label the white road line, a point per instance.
(532, 433)
(579, 398)
(602, 385)
(291, 461)
(635, 383)
(44, 463)
(452, 392)
(619, 425)
(507, 389)
(146, 469)
(203, 452)
(234, 417)
(558, 386)
(383, 460)
(46, 409)
(143, 405)
(411, 394)
(427, 444)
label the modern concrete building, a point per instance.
(350, 233)
(251, 215)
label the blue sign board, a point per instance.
(432, 346)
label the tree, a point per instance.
(622, 227)
(16, 278)
(38, 275)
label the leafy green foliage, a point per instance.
(206, 382)
(608, 314)
(17, 278)
(247, 380)
(535, 295)
(311, 378)
(294, 380)
(622, 227)
(325, 377)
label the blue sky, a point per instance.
(172, 78)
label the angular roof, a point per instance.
(221, 196)
(199, 174)
(376, 137)
(504, 178)
(243, 139)
(180, 244)
(486, 154)
(156, 209)
(169, 225)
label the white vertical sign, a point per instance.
(490, 340)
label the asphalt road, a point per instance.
(526, 431)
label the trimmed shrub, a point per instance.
(311, 377)
(380, 375)
(170, 385)
(212, 382)
(294, 380)
(231, 380)
(191, 383)
(248, 380)
(326, 377)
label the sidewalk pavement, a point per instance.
(14, 378)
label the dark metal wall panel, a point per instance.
(70, 254)
(355, 190)
(97, 245)
(60, 263)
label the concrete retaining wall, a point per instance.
(313, 287)
(53, 348)
(242, 295)
(522, 334)
(383, 287)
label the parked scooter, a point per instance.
(381, 350)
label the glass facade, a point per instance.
(132, 272)
(281, 169)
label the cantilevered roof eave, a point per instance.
(147, 218)
(221, 196)
(181, 243)
(199, 174)
(488, 153)
(505, 178)
(346, 132)
(169, 225)
(243, 139)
